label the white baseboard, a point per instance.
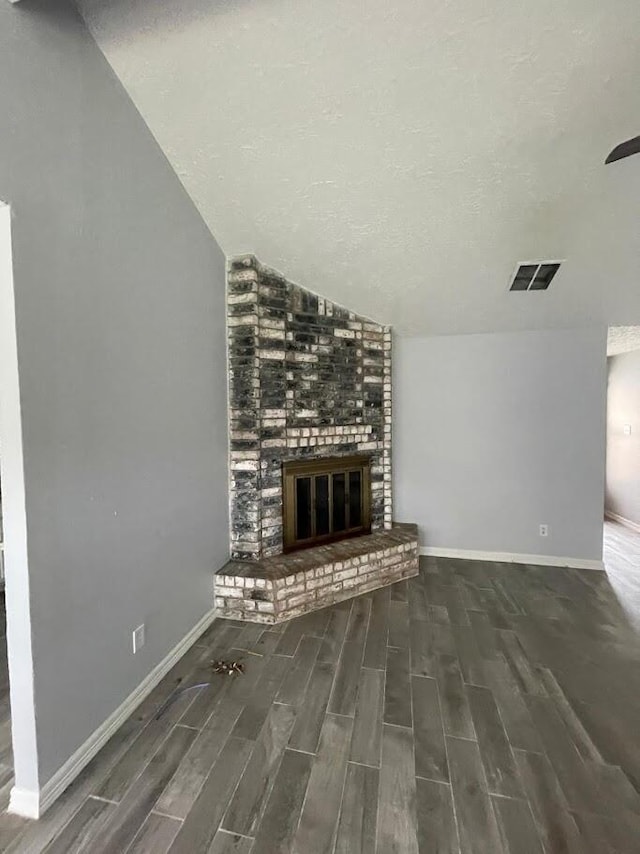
(633, 526)
(24, 802)
(508, 557)
(30, 804)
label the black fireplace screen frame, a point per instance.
(325, 500)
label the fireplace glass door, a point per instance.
(325, 500)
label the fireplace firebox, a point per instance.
(325, 500)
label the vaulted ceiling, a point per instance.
(401, 157)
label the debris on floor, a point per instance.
(228, 668)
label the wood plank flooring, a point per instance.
(479, 707)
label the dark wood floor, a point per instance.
(481, 707)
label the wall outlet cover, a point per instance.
(627, 429)
(544, 530)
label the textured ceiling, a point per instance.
(402, 157)
(623, 339)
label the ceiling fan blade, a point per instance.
(625, 149)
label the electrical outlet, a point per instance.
(627, 429)
(544, 530)
(138, 638)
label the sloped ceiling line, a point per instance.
(403, 161)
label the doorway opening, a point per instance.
(622, 471)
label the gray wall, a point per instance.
(121, 351)
(623, 451)
(495, 434)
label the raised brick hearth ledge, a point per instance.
(278, 588)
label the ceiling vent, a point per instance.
(534, 276)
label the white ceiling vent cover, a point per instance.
(534, 276)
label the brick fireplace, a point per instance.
(325, 499)
(308, 381)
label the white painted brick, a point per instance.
(272, 334)
(238, 456)
(303, 599)
(291, 613)
(229, 592)
(266, 607)
(244, 465)
(240, 299)
(232, 614)
(273, 443)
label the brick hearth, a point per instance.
(276, 589)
